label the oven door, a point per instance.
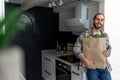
(62, 73)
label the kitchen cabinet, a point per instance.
(48, 67)
(54, 67)
(76, 74)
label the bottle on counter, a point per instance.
(58, 46)
(63, 48)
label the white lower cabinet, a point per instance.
(48, 68)
(76, 74)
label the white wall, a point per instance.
(112, 27)
(101, 6)
(12, 64)
(1, 9)
(2, 13)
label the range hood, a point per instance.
(81, 18)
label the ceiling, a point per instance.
(26, 4)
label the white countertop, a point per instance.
(54, 54)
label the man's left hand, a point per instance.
(105, 53)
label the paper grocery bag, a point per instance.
(93, 48)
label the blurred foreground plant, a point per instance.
(10, 26)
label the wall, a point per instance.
(35, 38)
(2, 14)
(47, 21)
(2, 9)
(93, 8)
(112, 27)
(63, 37)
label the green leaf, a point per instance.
(97, 36)
(10, 26)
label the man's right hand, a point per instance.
(89, 64)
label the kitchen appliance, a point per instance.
(63, 71)
(80, 21)
(70, 58)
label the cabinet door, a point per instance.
(76, 74)
(48, 68)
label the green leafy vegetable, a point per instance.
(97, 36)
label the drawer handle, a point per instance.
(75, 73)
(48, 73)
(47, 59)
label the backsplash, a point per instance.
(63, 38)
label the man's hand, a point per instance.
(90, 64)
(105, 53)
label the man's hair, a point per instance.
(97, 15)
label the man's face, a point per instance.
(98, 21)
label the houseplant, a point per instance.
(10, 26)
(11, 59)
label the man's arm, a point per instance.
(107, 52)
(78, 52)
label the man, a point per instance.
(94, 73)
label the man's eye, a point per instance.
(99, 19)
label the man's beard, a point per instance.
(96, 26)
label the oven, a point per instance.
(63, 71)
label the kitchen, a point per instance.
(51, 25)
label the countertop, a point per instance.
(55, 54)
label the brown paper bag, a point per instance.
(93, 48)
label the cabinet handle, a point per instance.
(48, 73)
(47, 59)
(75, 73)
